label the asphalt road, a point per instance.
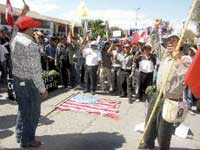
(66, 130)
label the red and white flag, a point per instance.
(192, 76)
(9, 13)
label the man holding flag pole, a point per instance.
(170, 86)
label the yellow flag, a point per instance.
(83, 10)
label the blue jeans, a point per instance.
(189, 97)
(28, 100)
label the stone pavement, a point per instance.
(82, 131)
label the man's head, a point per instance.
(172, 42)
(26, 25)
(93, 45)
(127, 48)
(147, 48)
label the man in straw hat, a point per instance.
(28, 82)
(173, 91)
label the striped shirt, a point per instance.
(26, 60)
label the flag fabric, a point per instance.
(136, 38)
(145, 35)
(69, 37)
(104, 107)
(9, 13)
(192, 78)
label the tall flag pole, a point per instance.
(167, 76)
(9, 14)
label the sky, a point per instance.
(120, 13)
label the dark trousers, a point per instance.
(72, 72)
(64, 70)
(91, 77)
(28, 100)
(115, 78)
(158, 128)
(51, 65)
(126, 80)
(145, 79)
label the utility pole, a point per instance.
(136, 18)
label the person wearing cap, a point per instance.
(28, 82)
(146, 64)
(188, 93)
(159, 127)
(126, 60)
(93, 60)
(116, 69)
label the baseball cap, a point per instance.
(27, 22)
(127, 45)
(148, 45)
(93, 43)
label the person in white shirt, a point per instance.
(93, 59)
(146, 63)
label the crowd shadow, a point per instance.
(7, 121)
(45, 121)
(89, 141)
(55, 92)
(5, 101)
(5, 134)
(180, 148)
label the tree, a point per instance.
(189, 37)
(98, 28)
(196, 16)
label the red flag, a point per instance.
(69, 37)
(192, 77)
(9, 12)
(136, 38)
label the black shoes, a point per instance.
(33, 144)
(123, 95)
(93, 93)
(145, 147)
(86, 91)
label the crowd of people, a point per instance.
(121, 67)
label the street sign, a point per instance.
(117, 33)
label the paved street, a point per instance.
(81, 131)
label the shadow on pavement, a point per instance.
(6, 133)
(55, 92)
(45, 121)
(7, 101)
(89, 141)
(7, 121)
(174, 148)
